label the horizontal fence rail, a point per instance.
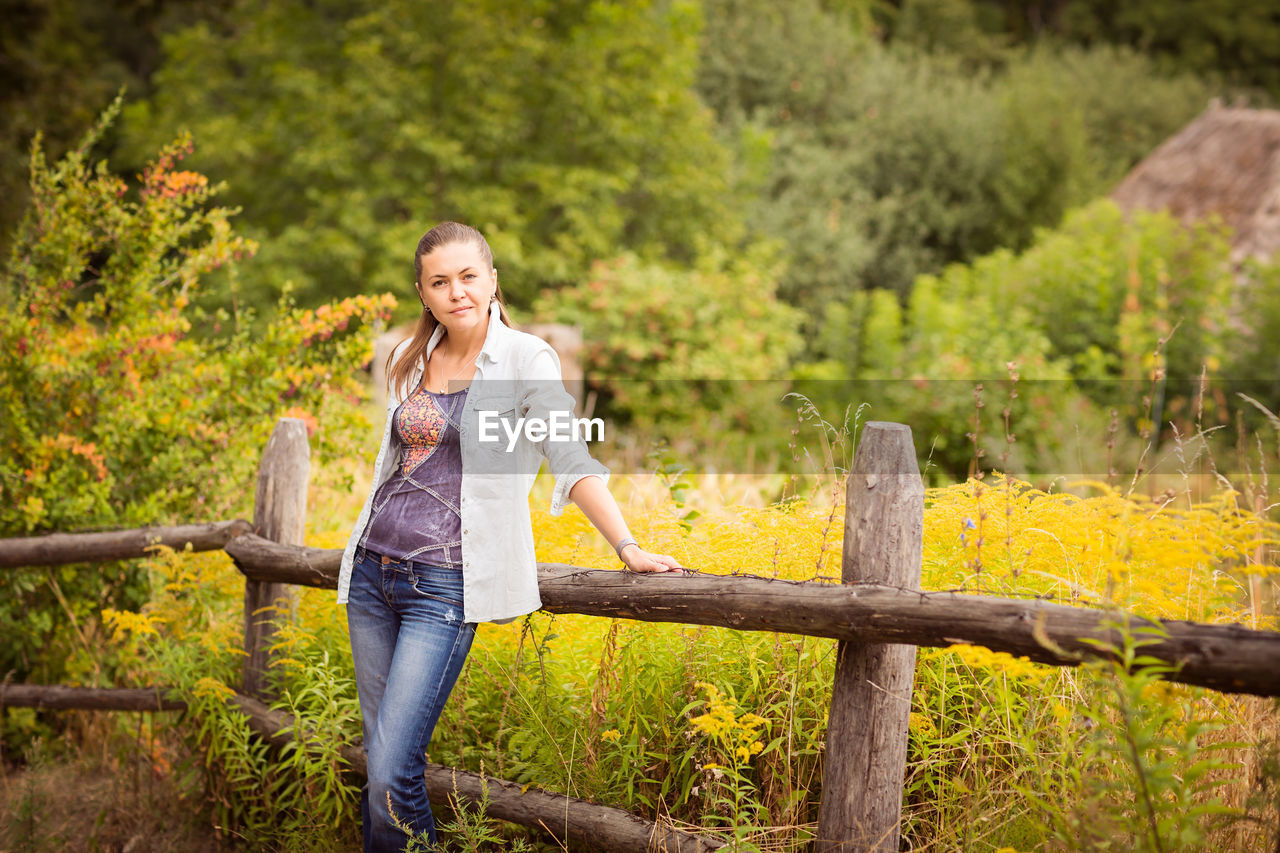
(58, 549)
(563, 817)
(1227, 658)
(90, 698)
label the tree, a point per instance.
(885, 163)
(1236, 40)
(62, 63)
(685, 353)
(566, 131)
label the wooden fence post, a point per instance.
(279, 514)
(866, 750)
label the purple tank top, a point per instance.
(416, 514)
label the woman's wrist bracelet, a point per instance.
(622, 543)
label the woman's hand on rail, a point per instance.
(591, 495)
(637, 559)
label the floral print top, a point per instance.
(416, 515)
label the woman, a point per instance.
(444, 540)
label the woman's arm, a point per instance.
(597, 504)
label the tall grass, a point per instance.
(725, 730)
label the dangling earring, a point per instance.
(493, 298)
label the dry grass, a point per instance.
(110, 799)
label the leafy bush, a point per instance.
(1093, 316)
(125, 405)
(887, 163)
(1107, 286)
(950, 365)
(1128, 105)
(1253, 357)
(885, 166)
(1232, 39)
(684, 352)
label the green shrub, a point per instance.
(1105, 288)
(125, 405)
(888, 162)
(1088, 316)
(683, 352)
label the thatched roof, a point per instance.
(1226, 162)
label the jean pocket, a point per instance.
(441, 584)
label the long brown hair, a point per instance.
(444, 234)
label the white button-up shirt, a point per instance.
(517, 376)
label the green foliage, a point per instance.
(935, 362)
(639, 729)
(1254, 353)
(732, 737)
(888, 163)
(1106, 288)
(620, 712)
(671, 474)
(566, 131)
(773, 62)
(683, 352)
(295, 795)
(64, 60)
(1126, 104)
(1095, 315)
(1232, 41)
(1238, 40)
(114, 407)
(470, 830)
(1140, 773)
(282, 797)
(955, 27)
(1264, 801)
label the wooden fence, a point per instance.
(879, 614)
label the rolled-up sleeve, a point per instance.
(542, 395)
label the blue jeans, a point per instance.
(409, 643)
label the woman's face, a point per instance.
(457, 285)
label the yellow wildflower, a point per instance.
(212, 687)
(735, 734)
(921, 724)
(124, 622)
(980, 657)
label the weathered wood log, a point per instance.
(279, 514)
(866, 756)
(561, 817)
(90, 698)
(1228, 658)
(270, 562)
(57, 549)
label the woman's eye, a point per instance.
(469, 275)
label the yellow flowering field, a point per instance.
(725, 730)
